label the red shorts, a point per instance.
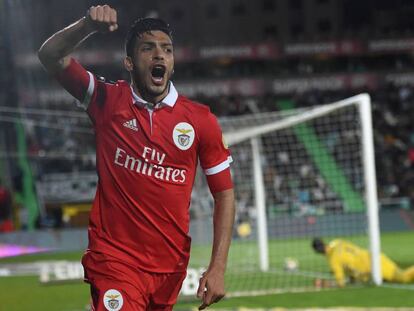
(118, 286)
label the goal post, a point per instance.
(299, 173)
(259, 190)
(371, 186)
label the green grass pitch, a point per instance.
(26, 293)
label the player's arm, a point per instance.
(215, 159)
(211, 288)
(324, 283)
(338, 270)
(55, 51)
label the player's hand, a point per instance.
(325, 283)
(210, 288)
(102, 18)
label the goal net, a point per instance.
(298, 174)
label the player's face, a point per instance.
(153, 65)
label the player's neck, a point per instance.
(148, 97)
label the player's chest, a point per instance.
(157, 135)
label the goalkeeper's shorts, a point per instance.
(119, 286)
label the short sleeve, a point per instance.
(214, 153)
(85, 87)
(77, 81)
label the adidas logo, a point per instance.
(131, 124)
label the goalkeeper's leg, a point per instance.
(390, 270)
(408, 275)
(402, 276)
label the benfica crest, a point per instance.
(113, 300)
(183, 135)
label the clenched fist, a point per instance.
(102, 18)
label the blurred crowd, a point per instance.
(62, 144)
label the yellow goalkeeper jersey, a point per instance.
(348, 260)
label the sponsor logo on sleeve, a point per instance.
(113, 300)
(183, 135)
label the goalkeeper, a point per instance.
(347, 260)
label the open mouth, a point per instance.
(157, 74)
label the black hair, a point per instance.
(139, 27)
(318, 245)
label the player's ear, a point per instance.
(128, 64)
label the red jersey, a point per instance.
(146, 163)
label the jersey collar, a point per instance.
(168, 100)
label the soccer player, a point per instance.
(348, 260)
(149, 140)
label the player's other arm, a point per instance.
(55, 51)
(211, 287)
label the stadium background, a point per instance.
(239, 57)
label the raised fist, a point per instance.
(102, 18)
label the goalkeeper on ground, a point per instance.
(347, 260)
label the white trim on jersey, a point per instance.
(220, 167)
(89, 92)
(168, 100)
(172, 96)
